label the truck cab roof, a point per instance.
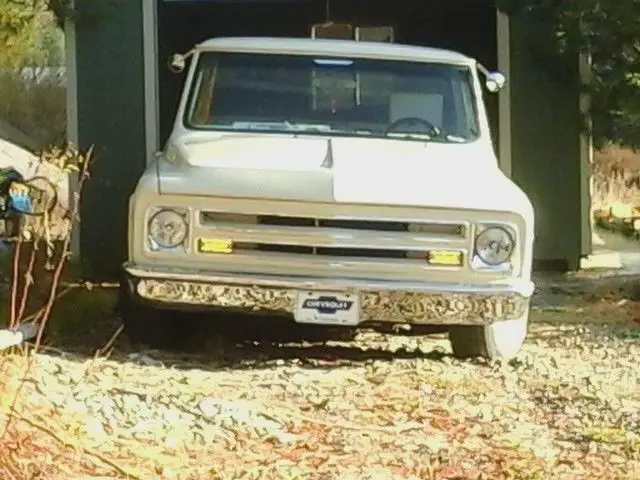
(334, 48)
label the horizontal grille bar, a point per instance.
(345, 224)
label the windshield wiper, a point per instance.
(411, 136)
(283, 126)
(426, 137)
(455, 139)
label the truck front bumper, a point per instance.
(419, 303)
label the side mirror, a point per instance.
(495, 81)
(177, 63)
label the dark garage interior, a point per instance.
(468, 27)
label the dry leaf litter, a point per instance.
(392, 408)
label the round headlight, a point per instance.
(636, 224)
(167, 229)
(494, 245)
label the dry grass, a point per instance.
(623, 157)
(35, 107)
(616, 177)
(36, 272)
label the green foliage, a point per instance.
(29, 34)
(16, 26)
(610, 31)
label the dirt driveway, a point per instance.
(383, 407)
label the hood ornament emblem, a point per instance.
(328, 160)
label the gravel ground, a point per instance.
(382, 406)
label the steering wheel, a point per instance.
(430, 127)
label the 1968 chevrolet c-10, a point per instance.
(343, 183)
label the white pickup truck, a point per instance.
(342, 183)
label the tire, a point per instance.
(148, 326)
(502, 339)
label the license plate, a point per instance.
(328, 308)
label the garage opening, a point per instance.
(468, 27)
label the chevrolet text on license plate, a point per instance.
(328, 308)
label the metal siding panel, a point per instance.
(545, 128)
(110, 69)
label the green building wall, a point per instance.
(545, 138)
(111, 116)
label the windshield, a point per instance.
(338, 96)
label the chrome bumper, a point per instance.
(388, 301)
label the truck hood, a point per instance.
(347, 170)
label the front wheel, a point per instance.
(149, 326)
(502, 339)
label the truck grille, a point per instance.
(303, 235)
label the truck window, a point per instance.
(344, 96)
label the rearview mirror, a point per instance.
(335, 85)
(495, 81)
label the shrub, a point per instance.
(34, 102)
(616, 177)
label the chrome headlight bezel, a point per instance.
(179, 216)
(508, 238)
